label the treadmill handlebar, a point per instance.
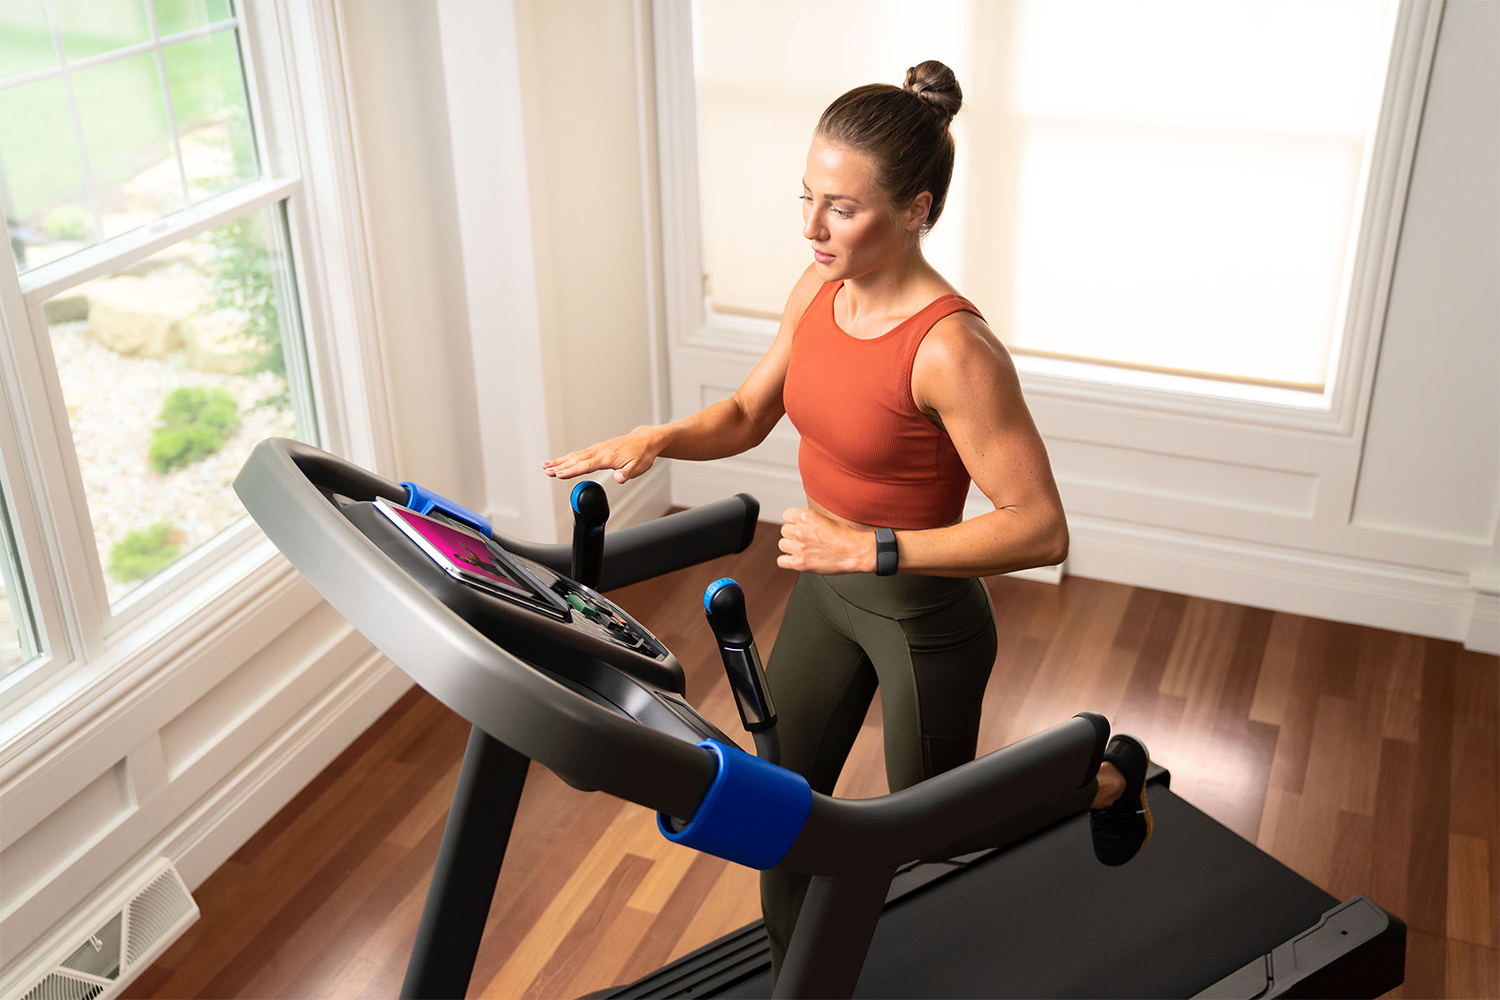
(288, 486)
(993, 801)
(659, 546)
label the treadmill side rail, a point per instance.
(1315, 962)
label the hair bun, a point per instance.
(936, 85)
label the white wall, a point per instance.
(394, 72)
(589, 153)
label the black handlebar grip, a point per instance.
(590, 512)
(724, 604)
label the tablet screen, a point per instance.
(463, 554)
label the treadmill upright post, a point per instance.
(468, 865)
(832, 936)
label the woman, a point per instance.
(902, 395)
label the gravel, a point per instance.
(113, 401)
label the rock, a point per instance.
(66, 309)
(216, 342)
(143, 316)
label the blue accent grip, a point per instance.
(573, 500)
(424, 501)
(714, 588)
(752, 814)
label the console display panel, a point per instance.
(468, 557)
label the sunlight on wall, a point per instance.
(1163, 183)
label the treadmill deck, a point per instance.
(1045, 919)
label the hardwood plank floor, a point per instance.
(1367, 761)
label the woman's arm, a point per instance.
(964, 377)
(726, 428)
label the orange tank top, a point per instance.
(868, 454)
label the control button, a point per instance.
(583, 608)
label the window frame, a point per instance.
(1339, 411)
(92, 659)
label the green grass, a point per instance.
(124, 116)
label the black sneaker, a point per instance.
(1122, 829)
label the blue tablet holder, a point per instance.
(424, 501)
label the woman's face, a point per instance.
(852, 225)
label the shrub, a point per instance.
(191, 425)
(242, 279)
(141, 553)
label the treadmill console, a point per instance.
(480, 562)
(564, 629)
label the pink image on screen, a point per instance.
(460, 549)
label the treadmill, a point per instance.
(516, 638)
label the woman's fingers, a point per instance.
(625, 455)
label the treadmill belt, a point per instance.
(1045, 919)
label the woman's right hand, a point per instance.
(630, 455)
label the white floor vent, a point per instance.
(141, 927)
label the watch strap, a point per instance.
(885, 552)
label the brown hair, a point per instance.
(904, 130)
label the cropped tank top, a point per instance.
(868, 454)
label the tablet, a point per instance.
(472, 559)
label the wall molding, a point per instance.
(1436, 603)
(204, 836)
(1368, 592)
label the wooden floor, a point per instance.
(1365, 760)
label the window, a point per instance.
(153, 301)
(1159, 186)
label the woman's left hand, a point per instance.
(814, 543)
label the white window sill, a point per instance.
(1183, 394)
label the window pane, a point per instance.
(25, 40)
(172, 369)
(213, 117)
(124, 117)
(42, 189)
(89, 27)
(173, 16)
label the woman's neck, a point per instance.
(888, 291)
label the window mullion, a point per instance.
(41, 283)
(83, 153)
(166, 97)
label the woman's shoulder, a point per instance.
(960, 338)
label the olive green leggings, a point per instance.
(927, 642)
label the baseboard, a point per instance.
(1484, 623)
(1319, 585)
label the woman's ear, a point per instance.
(916, 212)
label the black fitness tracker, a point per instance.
(885, 552)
